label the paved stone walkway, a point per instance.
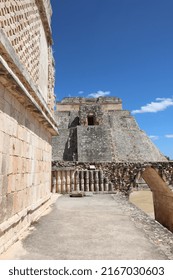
(96, 227)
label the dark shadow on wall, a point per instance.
(74, 123)
(70, 151)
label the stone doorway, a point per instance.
(90, 120)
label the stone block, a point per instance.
(0, 163)
(10, 165)
(2, 100)
(1, 140)
(11, 183)
(9, 205)
(6, 143)
(21, 133)
(15, 203)
(19, 182)
(1, 129)
(4, 184)
(3, 207)
(77, 194)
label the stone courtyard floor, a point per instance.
(97, 227)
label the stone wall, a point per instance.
(25, 166)
(95, 111)
(129, 142)
(26, 26)
(93, 144)
(74, 103)
(26, 120)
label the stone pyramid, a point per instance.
(99, 130)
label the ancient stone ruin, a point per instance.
(101, 149)
(26, 114)
(98, 130)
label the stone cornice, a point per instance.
(44, 18)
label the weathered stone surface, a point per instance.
(98, 130)
(123, 176)
(26, 114)
(77, 194)
(93, 144)
(105, 228)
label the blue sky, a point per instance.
(120, 48)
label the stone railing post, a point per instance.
(87, 180)
(96, 181)
(54, 182)
(58, 182)
(101, 181)
(82, 180)
(91, 181)
(68, 181)
(63, 182)
(106, 187)
(77, 180)
(72, 181)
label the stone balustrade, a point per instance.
(69, 180)
(124, 177)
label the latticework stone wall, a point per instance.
(26, 114)
(22, 23)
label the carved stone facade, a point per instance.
(26, 114)
(90, 115)
(98, 130)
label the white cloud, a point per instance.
(154, 137)
(160, 104)
(80, 92)
(99, 93)
(169, 135)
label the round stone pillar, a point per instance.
(63, 182)
(91, 181)
(77, 181)
(82, 180)
(101, 181)
(58, 182)
(72, 181)
(87, 180)
(68, 181)
(96, 181)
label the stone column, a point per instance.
(82, 180)
(63, 182)
(110, 187)
(54, 182)
(101, 181)
(77, 180)
(72, 180)
(96, 181)
(59, 182)
(106, 187)
(87, 180)
(68, 181)
(91, 181)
